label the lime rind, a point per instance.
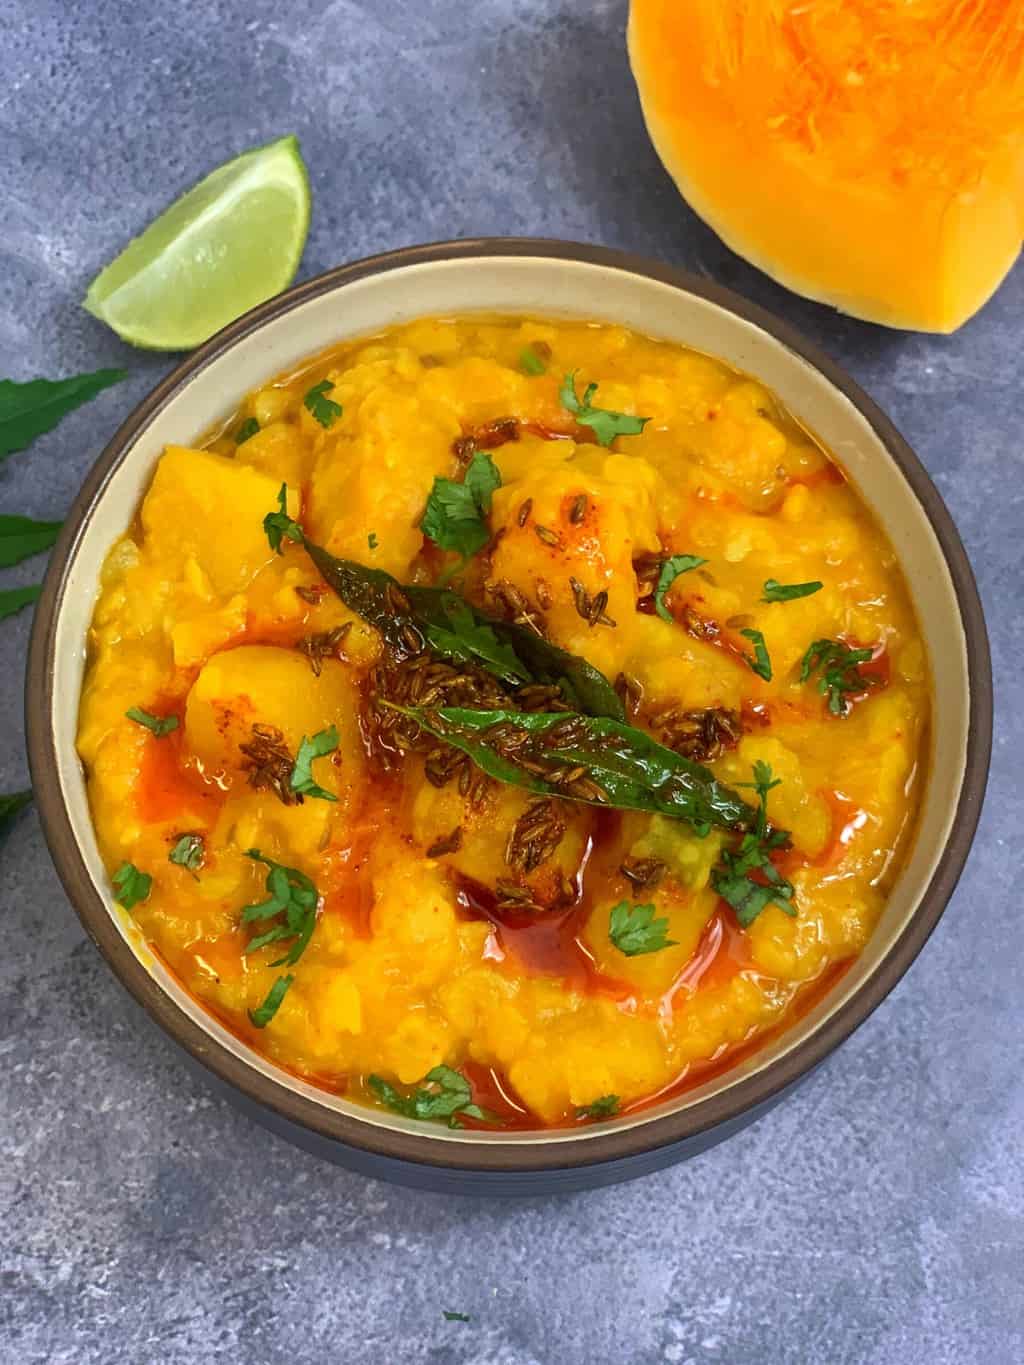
(231, 242)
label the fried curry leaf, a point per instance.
(13, 599)
(670, 571)
(441, 618)
(317, 746)
(760, 662)
(604, 1107)
(157, 725)
(775, 591)
(246, 431)
(324, 409)
(840, 677)
(131, 885)
(628, 769)
(262, 1015)
(634, 930)
(279, 525)
(747, 879)
(442, 1094)
(31, 409)
(456, 513)
(22, 537)
(606, 425)
(188, 852)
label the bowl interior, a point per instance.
(366, 302)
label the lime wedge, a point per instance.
(228, 244)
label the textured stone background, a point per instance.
(875, 1218)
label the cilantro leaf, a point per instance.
(262, 1015)
(454, 1317)
(606, 425)
(21, 537)
(670, 571)
(324, 409)
(34, 408)
(775, 591)
(634, 930)
(455, 515)
(132, 886)
(10, 806)
(531, 363)
(246, 431)
(158, 725)
(302, 774)
(442, 1094)
(372, 541)
(279, 524)
(760, 663)
(292, 894)
(747, 879)
(840, 676)
(605, 1107)
(13, 599)
(189, 852)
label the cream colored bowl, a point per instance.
(570, 281)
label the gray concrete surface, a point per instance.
(875, 1218)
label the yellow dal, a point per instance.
(197, 615)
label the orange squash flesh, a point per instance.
(865, 153)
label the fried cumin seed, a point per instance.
(269, 765)
(324, 645)
(644, 873)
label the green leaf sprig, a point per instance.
(775, 591)
(160, 726)
(442, 1094)
(634, 930)
(760, 661)
(279, 526)
(31, 409)
(189, 852)
(840, 677)
(316, 746)
(290, 894)
(456, 513)
(670, 571)
(604, 423)
(604, 1107)
(324, 409)
(747, 879)
(131, 886)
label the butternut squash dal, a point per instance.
(504, 721)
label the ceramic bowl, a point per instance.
(573, 281)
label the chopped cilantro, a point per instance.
(670, 571)
(605, 1107)
(189, 852)
(840, 676)
(531, 363)
(606, 425)
(442, 1094)
(455, 515)
(262, 1015)
(158, 725)
(634, 930)
(775, 591)
(467, 640)
(302, 774)
(246, 431)
(324, 409)
(372, 540)
(759, 662)
(748, 880)
(279, 524)
(132, 886)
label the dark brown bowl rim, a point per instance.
(725, 1108)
